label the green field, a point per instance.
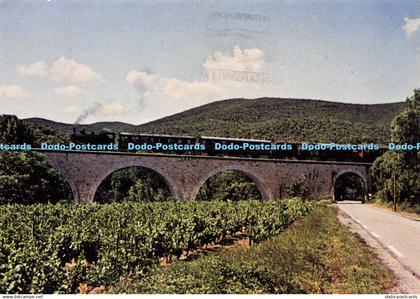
(58, 248)
(315, 255)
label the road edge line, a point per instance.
(394, 213)
(384, 246)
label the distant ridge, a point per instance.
(68, 128)
(283, 119)
(267, 118)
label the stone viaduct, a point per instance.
(184, 175)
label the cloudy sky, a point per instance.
(135, 61)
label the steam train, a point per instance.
(217, 146)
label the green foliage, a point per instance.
(407, 207)
(382, 172)
(228, 186)
(133, 184)
(67, 129)
(48, 134)
(405, 128)
(25, 178)
(315, 255)
(282, 120)
(56, 248)
(12, 130)
(145, 190)
(212, 275)
(138, 184)
(349, 186)
(298, 187)
(268, 118)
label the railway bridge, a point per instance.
(184, 175)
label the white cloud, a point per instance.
(143, 81)
(151, 85)
(36, 69)
(65, 69)
(110, 108)
(12, 92)
(251, 60)
(248, 60)
(171, 95)
(95, 110)
(71, 110)
(144, 77)
(411, 26)
(68, 91)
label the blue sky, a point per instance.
(135, 61)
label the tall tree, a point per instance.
(24, 176)
(405, 128)
(12, 130)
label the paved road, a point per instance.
(398, 234)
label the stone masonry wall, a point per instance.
(184, 175)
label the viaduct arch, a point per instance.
(365, 179)
(239, 168)
(184, 175)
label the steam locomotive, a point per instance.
(217, 146)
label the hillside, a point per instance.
(283, 119)
(268, 118)
(68, 128)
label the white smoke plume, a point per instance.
(89, 111)
(102, 109)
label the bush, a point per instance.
(25, 178)
(298, 188)
(228, 185)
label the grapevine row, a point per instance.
(55, 248)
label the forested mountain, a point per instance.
(68, 128)
(283, 119)
(269, 118)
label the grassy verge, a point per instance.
(315, 255)
(402, 207)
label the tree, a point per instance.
(12, 130)
(349, 186)
(134, 184)
(143, 190)
(298, 188)
(405, 128)
(228, 185)
(25, 178)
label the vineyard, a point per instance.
(56, 248)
